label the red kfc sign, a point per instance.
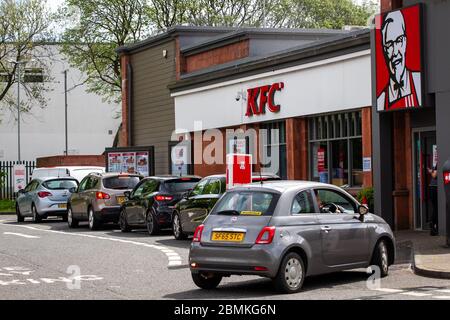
(261, 97)
(239, 169)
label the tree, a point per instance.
(23, 30)
(98, 29)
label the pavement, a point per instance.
(50, 261)
(431, 255)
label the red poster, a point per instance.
(239, 169)
(399, 69)
(321, 160)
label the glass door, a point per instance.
(425, 157)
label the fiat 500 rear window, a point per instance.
(248, 203)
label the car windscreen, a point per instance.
(121, 182)
(60, 184)
(180, 185)
(250, 203)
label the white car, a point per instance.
(77, 172)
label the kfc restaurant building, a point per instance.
(411, 111)
(318, 96)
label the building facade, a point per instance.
(407, 142)
(151, 66)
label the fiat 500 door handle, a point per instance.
(326, 228)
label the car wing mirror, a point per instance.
(73, 190)
(127, 194)
(21, 191)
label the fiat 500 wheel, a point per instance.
(206, 280)
(291, 274)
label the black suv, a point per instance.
(195, 206)
(150, 204)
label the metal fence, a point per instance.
(7, 183)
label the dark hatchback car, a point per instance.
(150, 204)
(195, 206)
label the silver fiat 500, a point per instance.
(286, 231)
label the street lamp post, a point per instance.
(65, 108)
(18, 109)
(18, 63)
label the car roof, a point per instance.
(171, 177)
(284, 185)
(254, 175)
(114, 174)
(43, 179)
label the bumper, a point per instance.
(233, 260)
(51, 208)
(164, 216)
(108, 214)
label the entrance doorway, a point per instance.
(424, 157)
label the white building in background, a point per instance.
(92, 123)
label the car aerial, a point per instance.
(44, 197)
(99, 197)
(151, 202)
(195, 206)
(286, 231)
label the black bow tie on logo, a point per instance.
(399, 85)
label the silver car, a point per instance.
(44, 197)
(286, 231)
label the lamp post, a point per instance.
(18, 63)
(65, 111)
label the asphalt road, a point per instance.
(50, 261)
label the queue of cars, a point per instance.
(283, 230)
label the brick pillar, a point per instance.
(366, 114)
(388, 5)
(403, 203)
(180, 60)
(297, 148)
(124, 133)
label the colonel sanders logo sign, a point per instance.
(399, 59)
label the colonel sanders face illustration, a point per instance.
(394, 45)
(403, 88)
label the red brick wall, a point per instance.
(366, 114)
(56, 161)
(123, 134)
(216, 56)
(297, 148)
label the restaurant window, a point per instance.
(273, 142)
(336, 149)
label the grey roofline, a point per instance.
(235, 68)
(169, 34)
(245, 33)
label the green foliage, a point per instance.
(23, 29)
(367, 193)
(7, 205)
(94, 29)
(2, 178)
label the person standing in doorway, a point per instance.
(433, 191)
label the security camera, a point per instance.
(238, 96)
